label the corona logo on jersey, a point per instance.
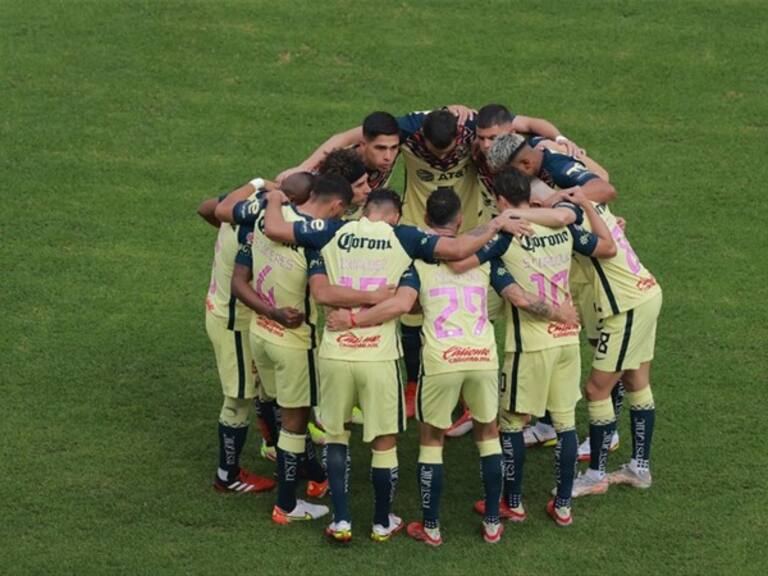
(351, 241)
(351, 340)
(466, 354)
(530, 243)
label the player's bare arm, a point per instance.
(275, 226)
(470, 242)
(207, 211)
(242, 290)
(402, 303)
(328, 294)
(606, 247)
(344, 139)
(552, 217)
(524, 300)
(224, 208)
(531, 125)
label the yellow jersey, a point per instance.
(541, 265)
(620, 283)
(364, 255)
(456, 331)
(280, 274)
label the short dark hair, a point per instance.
(493, 115)
(381, 197)
(380, 124)
(443, 206)
(440, 128)
(344, 162)
(330, 186)
(513, 186)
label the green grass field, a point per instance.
(118, 118)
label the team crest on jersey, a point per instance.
(317, 225)
(425, 175)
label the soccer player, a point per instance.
(459, 358)
(628, 304)
(360, 365)
(376, 143)
(283, 335)
(542, 366)
(226, 322)
(566, 173)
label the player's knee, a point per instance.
(485, 430)
(382, 443)
(563, 421)
(338, 438)
(235, 412)
(594, 391)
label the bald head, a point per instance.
(297, 187)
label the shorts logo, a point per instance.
(425, 175)
(456, 354)
(351, 340)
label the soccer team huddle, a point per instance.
(502, 220)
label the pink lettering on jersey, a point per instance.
(645, 284)
(268, 297)
(633, 262)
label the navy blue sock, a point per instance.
(599, 442)
(231, 442)
(513, 449)
(384, 482)
(617, 397)
(287, 477)
(565, 466)
(338, 480)
(430, 477)
(314, 467)
(642, 434)
(269, 414)
(411, 340)
(490, 471)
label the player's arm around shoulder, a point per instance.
(599, 243)
(225, 208)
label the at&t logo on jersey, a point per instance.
(351, 340)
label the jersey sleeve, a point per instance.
(248, 211)
(494, 248)
(567, 172)
(410, 123)
(500, 276)
(244, 245)
(576, 209)
(417, 244)
(410, 278)
(584, 242)
(315, 262)
(315, 233)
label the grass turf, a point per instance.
(119, 117)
